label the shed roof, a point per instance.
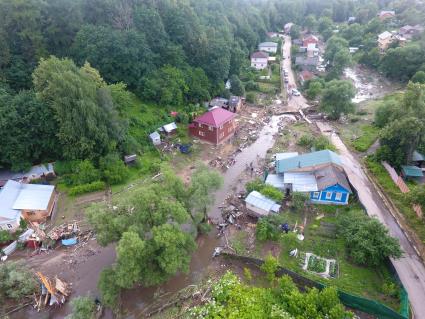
(170, 127)
(259, 55)
(234, 100)
(416, 156)
(34, 172)
(275, 180)
(155, 136)
(301, 182)
(281, 156)
(8, 195)
(412, 171)
(330, 176)
(384, 35)
(34, 197)
(260, 201)
(268, 44)
(309, 160)
(215, 117)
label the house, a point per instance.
(36, 172)
(272, 34)
(319, 174)
(219, 102)
(297, 42)
(385, 14)
(351, 20)
(305, 76)
(384, 40)
(31, 202)
(409, 32)
(307, 63)
(259, 205)
(259, 60)
(411, 172)
(353, 49)
(169, 128)
(287, 27)
(130, 159)
(312, 50)
(310, 39)
(270, 47)
(235, 104)
(155, 138)
(215, 126)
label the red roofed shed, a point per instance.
(215, 126)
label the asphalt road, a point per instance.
(409, 268)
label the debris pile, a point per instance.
(223, 164)
(64, 231)
(53, 292)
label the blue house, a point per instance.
(319, 174)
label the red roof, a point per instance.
(215, 117)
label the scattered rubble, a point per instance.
(53, 292)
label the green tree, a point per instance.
(366, 239)
(16, 282)
(310, 23)
(295, 31)
(113, 169)
(82, 308)
(336, 98)
(418, 77)
(85, 173)
(237, 87)
(314, 89)
(299, 201)
(371, 58)
(417, 196)
(270, 267)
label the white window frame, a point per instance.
(200, 124)
(338, 196)
(328, 195)
(316, 195)
(210, 127)
(201, 133)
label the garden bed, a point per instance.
(327, 268)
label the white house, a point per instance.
(270, 47)
(155, 138)
(259, 205)
(259, 60)
(312, 50)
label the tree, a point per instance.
(72, 93)
(334, 45)
(336, 98)
(371, 58)
(295, 31)
(82, 308)
(237, 87)
(399, 139)
(418, 77)
(314, 89)
(310, 23)
(417, 196)
(5, 236)
(113, 169)
(270, 267)
(16, 282)
(203, 184)
(366, 239)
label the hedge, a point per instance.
(87, 188)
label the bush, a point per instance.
(16, 282)
(87, 188)
(251, 97)
(252, 86)
(85, 173)
(267, 190)
(268, 228)
(113, 169)
(319, 143)
(82, 308)
(5, 236)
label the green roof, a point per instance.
(416, 157)
(412, 171)
(307, 160)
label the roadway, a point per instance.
(410, 269)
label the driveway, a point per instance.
(295, 103)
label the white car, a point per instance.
(295, 92)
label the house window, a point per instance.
(210, 128)
(9, 226)
(316, 195)
(338, 196)
(328, 195)
(221, 127)
(201, 133)
(200, 125)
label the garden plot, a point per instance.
(327, 268)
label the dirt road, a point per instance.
(295, 103)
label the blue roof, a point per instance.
(307, 160)
(412, 171)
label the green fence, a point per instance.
(353, 301)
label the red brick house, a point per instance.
(310, 39)
(215, 126)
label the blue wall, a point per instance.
(320, 197)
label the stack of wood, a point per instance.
(53, 292)
(63, 231)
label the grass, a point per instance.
(397, 197)
(368, 136)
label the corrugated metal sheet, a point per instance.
(307, 160)
(170, 127)
(34, 197)
(11, 248)
(412, 171)
(281, 156)
(8, 196)
(275, 180)
(330, 176)
(258, 200)
(301, 182)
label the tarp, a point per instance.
(70, 241)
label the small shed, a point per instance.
(129, 159)
(411, 172)
(418, 159)
(170, 128)
(259, 205)
(155, 138)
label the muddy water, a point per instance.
(363, 90)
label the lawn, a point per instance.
(368, 135)
(320, 239)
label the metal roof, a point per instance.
(416, 156)
(275, 180)
(258, 200)
(385, 35)
(155, 136)
(281, 156)
(412, 171)
(34, 197)
(301, 182)
(330, 176)
(8, 195)
(35, 172)
(268, 44)
(309, 160)
(215, 117)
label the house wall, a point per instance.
(4, 225)
(321, 198)
(259, 64)
(212, 134)
(39, 215)
(268, 49)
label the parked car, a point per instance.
(295, 92)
